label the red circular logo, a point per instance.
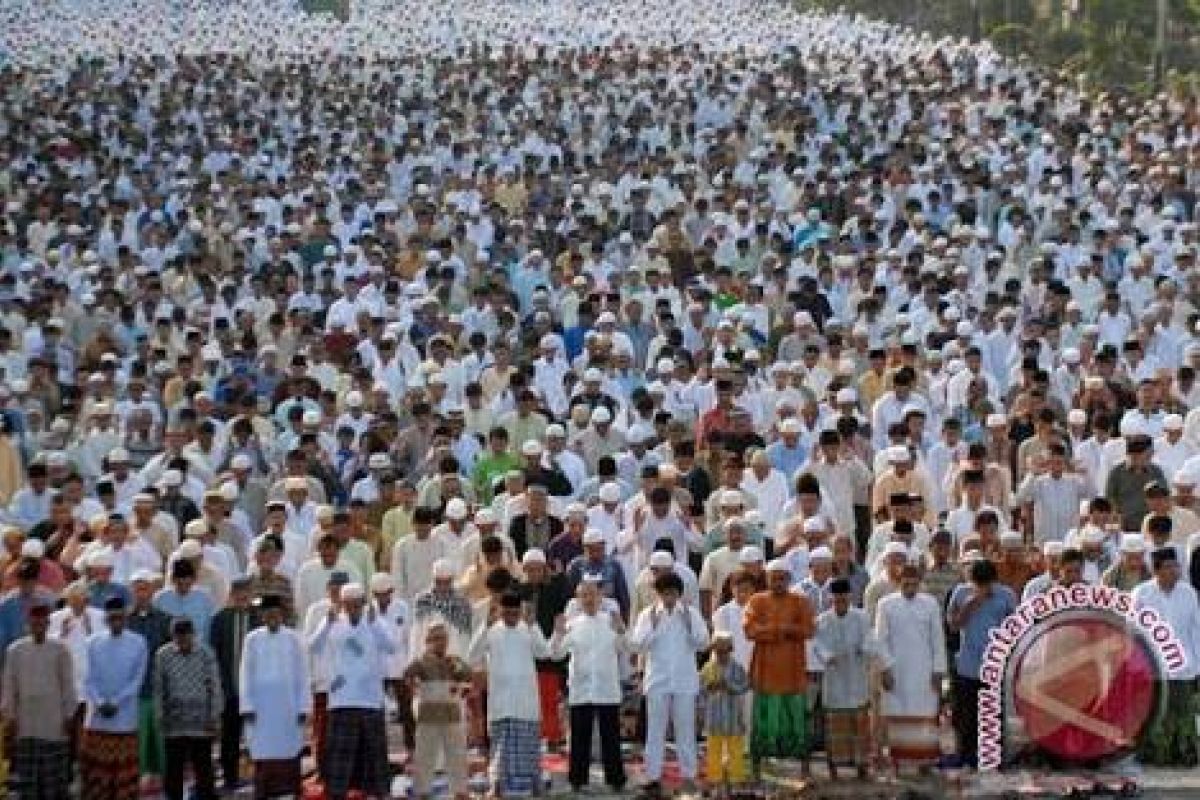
(1084, 688)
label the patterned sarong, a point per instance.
(913, 740)
(516, 755)
(780, 726)
(846, 736)
(356, 752)
(39, 769)
(108, 766)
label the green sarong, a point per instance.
(780, 728)
(1172, 740)
(152, 759)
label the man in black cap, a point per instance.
(187, 694)
(227, 637)
(117, 660)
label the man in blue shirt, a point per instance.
(974, 609)
(183, 599)
(116, 664)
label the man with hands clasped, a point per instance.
(668, 635)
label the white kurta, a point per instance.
(910, 630)
(74, 632)
(508, 654)
(396, 619)
(274, 687)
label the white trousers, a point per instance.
(680, 711)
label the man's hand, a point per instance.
(107, 710)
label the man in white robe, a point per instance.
(275, 701)
(909, 626)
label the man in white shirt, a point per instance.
(669, 634)
(357, 645)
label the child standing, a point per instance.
(725, 683)
(435, 680)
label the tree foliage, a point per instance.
(1110, 43)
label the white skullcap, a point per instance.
(485, 516)
(814, 525)
(443, 568)
(1076, 416)
(1133, 543)
(895, 549)
(778, 565)
(456, 509)
(1052, 549)
(750, 554)
(532, 447)
(601, 415)
(1093, 535)
(996, 420)
(610, 493)
(33, 548)
(100, 557)
(172, 477)
(119, 455)
(144, 576)
(353, 591)
(241, 462)
(898, 454)
(791, 425)
(295, 483)
(379, 461)
(533, 555)
(1011, 539)
(593, 536)
(229, 491)
(382, 582)
(197, 527)
(846, 395)
(821, 553)
(661, 558)
(1173, 422)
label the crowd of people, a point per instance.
(512, 375)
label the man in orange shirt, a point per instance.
(779, 622)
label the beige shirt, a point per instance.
(38, 690)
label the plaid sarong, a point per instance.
(516, 754)
(846, 736)
(356, 752)
(39, 769)
(108, 766)
(780, 728)
(278, 777)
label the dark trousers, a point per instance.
(194, 750)
(965, 715)
(608, 717)
(231, 742)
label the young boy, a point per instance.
(846, 646)
(435, 680)
(725, 683)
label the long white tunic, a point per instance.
(508, 654)
(74, 630)
(1179, 607)
(274, 687)
(910, 630)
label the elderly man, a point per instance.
(357, 645)
(189, 701)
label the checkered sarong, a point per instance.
(356, 754)
(516, 754)
(39, 769)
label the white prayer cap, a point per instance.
(846, 395)
(750, 554)
(1076, 416)
(814, 525)
(143, 497)
(229, 491)
(1011, 539)
(731, 498)
(1131, 427)
(311, 417)
(1173, 422)
(379, 461)
(639, 433)
(100, 557)
(485, 516)
(241, 462)
(1070, 356)
(354, 399)
(456, 509)
(665, 365)
(791, 425)
(895, 549)
(33, 548)
(144, 576)
(296, 483)
(555, 431)
(575, 510)
(661, 558)
(382, 582)
(821, 553)
(1052, 549)
(593, 536)
(996, 420)
(610, 493)
(533, 555)
(532, 447)
(353, 591)
(1092, 535)
(898, 454)
(443, 568)
(119, 455)
(324, 513)
(601, 414)
(778, 565)
(197, 527)
(1133, 543)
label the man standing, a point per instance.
(356, 750)
(1172, 742)
(108, 755)
(593, 639)
(155, 627)
(38, 702)
(909, 627)
(507, 651)
(188, 699)
(780, 623)
(227, 638)
(670, 633)
(975, 608)
(275, 701)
